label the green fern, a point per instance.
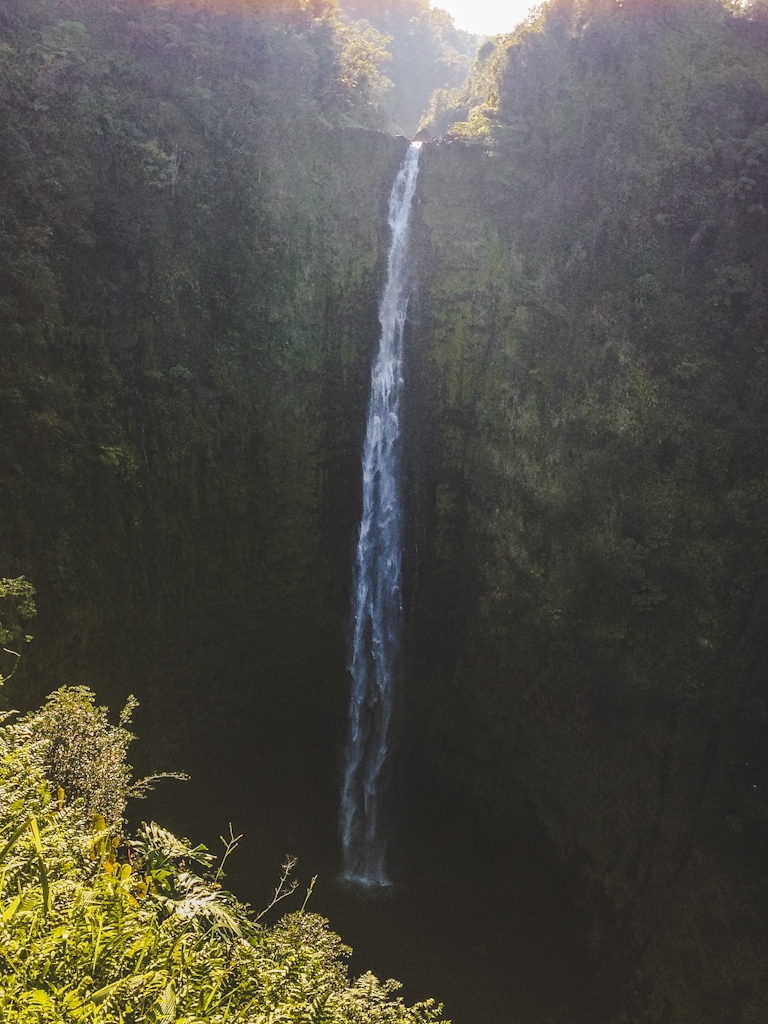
(96, 929)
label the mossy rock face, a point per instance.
(189, 306)
(590, 411)
(188, 316)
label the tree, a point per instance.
(17, 606)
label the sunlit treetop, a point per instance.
(311, 8)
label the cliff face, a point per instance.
(188, 312)
(189, 308)
(591, 453)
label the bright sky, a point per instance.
(486, 17)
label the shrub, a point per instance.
(85, 756)
(97, 929)
(17, 606)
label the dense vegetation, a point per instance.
(594, 318)
(425, 50)
(188, 307)
(185, 284)
(98, 926)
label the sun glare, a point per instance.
(486, 17)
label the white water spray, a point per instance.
(377, 595)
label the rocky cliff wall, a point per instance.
(188, 314)
(588, 456)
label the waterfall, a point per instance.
(377, 599)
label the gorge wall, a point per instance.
(189, 310)
(591, 532)
(191, 257)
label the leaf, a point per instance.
(45, 886)
(41, 998)
(11, 842)
(12, 907)
(36, 836)
(106, 992)
(167, 1004)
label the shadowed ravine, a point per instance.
(193, 248)
(476, 916)
(480, 918)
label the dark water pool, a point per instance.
(479, 916)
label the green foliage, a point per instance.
(97, 929)
(593, 306)
(17, 606)
(361, 84)
(17, 596)
(189, 260)
(190, 244)
(469, 109)
(85, 756)
(598, 321)
(426, 52)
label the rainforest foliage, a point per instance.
(425, 52)
(607, 371)
(17, 605)
(98, 926)
(593, 293)
(192, 237)
(189, 252)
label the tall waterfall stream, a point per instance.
(481, 915)
(376, 585)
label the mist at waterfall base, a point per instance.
(377, 588)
